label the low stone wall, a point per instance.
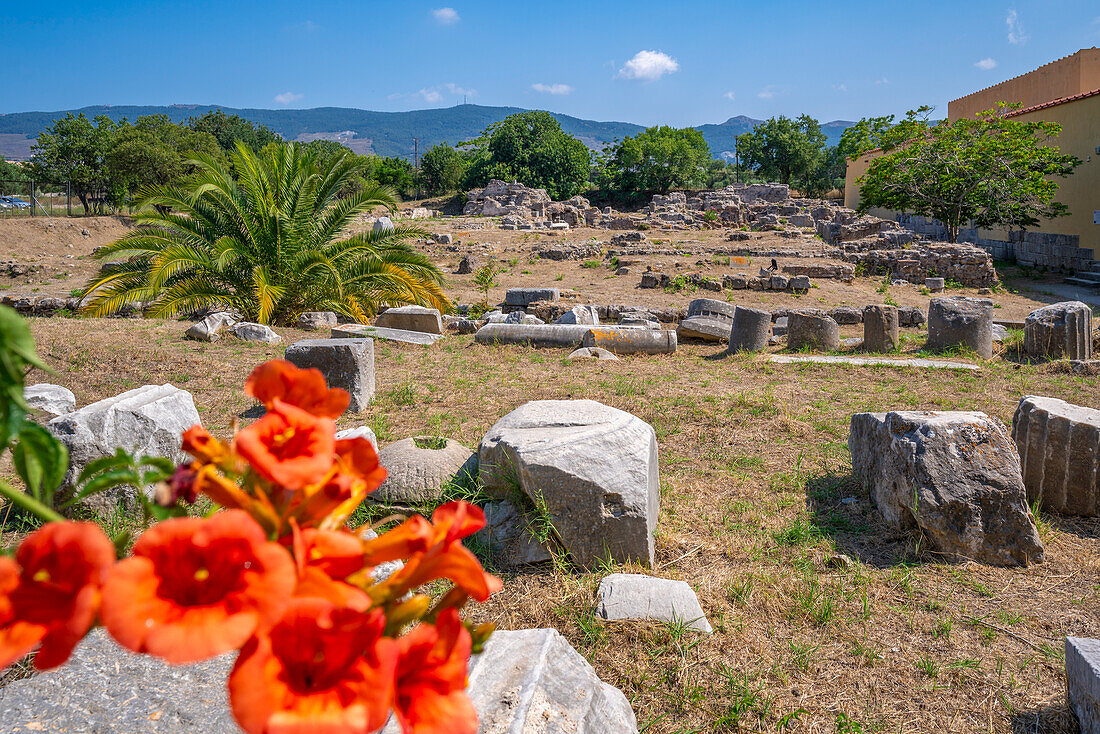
(1035, 249)
(964, 263)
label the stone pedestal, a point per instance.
(1059, 444)
(814, 328)
(880, 328)
(959, 321)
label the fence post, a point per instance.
(69, 198)
(32, 197)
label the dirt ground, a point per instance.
(754, 474)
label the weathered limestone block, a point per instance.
(598, 353)
(1059, 445)
(523, 297)
(248, 331)
(509, 535)
(637, 596)
(1083, 682)
(317, 320)
(148, 420)
(420, 468)
(359, 432)
(1060, 330)
(707, 319)
(751, 329)
(211, 327)
(591, 468)
(846, 315)
(580, 315)
(880, 328)
(411, 318)
(345, 363)
(814, 328)
(50, 399)
(954, 475)
(958, 321)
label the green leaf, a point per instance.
(116, 460)
(104, 481)
(41, 461)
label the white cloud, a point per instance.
(446, 16)
(287, 97)
(552, 88)
(840, 87)
(730, 96)
(986, 64)
(460, 91)
(767, 92)
(1016, 34)
(649, 66)
(429, 95)
(435, 93)
(882, 81)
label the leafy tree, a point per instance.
(788, 151)
(396, 173)
(485, 278)
(867, 134)
(442, 169)
(530, 147)
(11, 171)
(74, 149)
(153, 152)
(660, 159)
(989, 169)
(267, 246)
(228, 130)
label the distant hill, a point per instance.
(378, 133)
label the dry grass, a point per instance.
(754, 468)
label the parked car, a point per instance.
(13, 202)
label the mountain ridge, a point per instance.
(371, 132)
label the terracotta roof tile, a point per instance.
(1053, 103)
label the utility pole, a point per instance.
(416, 164)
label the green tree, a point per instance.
(153, 152)
(789, 151)
(442, 169)
(530, 147)
(228, 130)
(11, 171)
(74, 149)
(990, 170)
(660, 159)
(267, 245)
(396, 173)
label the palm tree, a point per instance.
(262, 237)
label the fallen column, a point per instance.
(627, 340)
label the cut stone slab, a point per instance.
(593, 468)
(880, 328)
(411, 318)
(1060, 330)
(525, 682)
(592, 353)
(345, 363)
(1083, 682)
(418, 473)
(637, 596)
(50, 399)
(1059, 445)
(382, 225)
(524, 297)
(359, 432)
(363, 331)
(524, 318)
(148, 420)
(958, 321)
(248, 331)
(211, 327)
(534, 682)
(317, 320)
(704, 328)
(955, 475)
(870, 361)
(105, 688)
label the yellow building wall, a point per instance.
(1080, 121)
(1065, 77)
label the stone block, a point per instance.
(846, 315)
(248, 331)
(1083, 682)
(637, 596)
(1059, 331)
(365, 331)
(524, 297)
(211, 327)
(880, 328)
(1059, 445)
(317, 320)
(592, 468)
(751, 329)
(420, 468)
(953, 475)
(53, 400)
(411, 318)
(580, 315)
(814, 328)
(345, 363)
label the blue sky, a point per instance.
(636, 61)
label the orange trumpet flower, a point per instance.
(195, 588)
(280, 380)
(431, 679)
(288, 446)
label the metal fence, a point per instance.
(36, 199)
